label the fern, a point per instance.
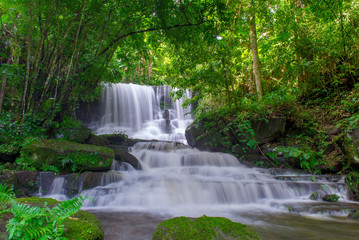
(31, 222)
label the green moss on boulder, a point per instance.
(66, 157)
(83, 226)
(184, 228)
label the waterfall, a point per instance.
(184, 180)
(142, 112)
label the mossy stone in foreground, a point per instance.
(203, 228)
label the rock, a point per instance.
(115, 139)
(200, 139)
(349, 143)
(66, 156)
(9, 152)
(331, 198)
(185, 228)
(24, 182)
(73, 131)
(317, 195)
(97, 140)
(268, 131)
(125, 156)
(354, 215)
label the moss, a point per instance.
(83, 225)
(64, 156)
(203, 228)
(38, 202)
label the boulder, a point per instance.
(198, 138)
(266, 131)
(24, 182)
(349, 143)
(115, 139)
(9, 152)
(97, 140)
(124, 156)
(354, 215)
(184, 228)
(64, 156)
(73, 131)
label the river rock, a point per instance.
(97, 140)
(185, 228)
(354, 215)
(125, 156)
(66, 156)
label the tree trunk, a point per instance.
(256, 63)
(3, 85)
(28, 63)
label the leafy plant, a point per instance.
(308, 158)
(31, 222)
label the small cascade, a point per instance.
(142, 112)
(187, 181)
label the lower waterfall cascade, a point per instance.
(176, 180)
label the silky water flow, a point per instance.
(177, 180)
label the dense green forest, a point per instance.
(244, 61)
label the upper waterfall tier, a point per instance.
(143, 112)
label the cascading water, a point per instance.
(176, 180)
(142, 112)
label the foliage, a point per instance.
(352, 179)
(308, 158)
(31, 222)
(331, 198)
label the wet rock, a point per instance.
(125, 156)
(317, 195)
(115, 139)
(184, 228)
(97, 140)
(67, 156)
(354, 215)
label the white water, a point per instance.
(183, 181)
(136, 110)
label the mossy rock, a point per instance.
(65, 156)
(97, 140)
(81, 226)
(185, 228)
(354, 215)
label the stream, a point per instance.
(177, 180)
